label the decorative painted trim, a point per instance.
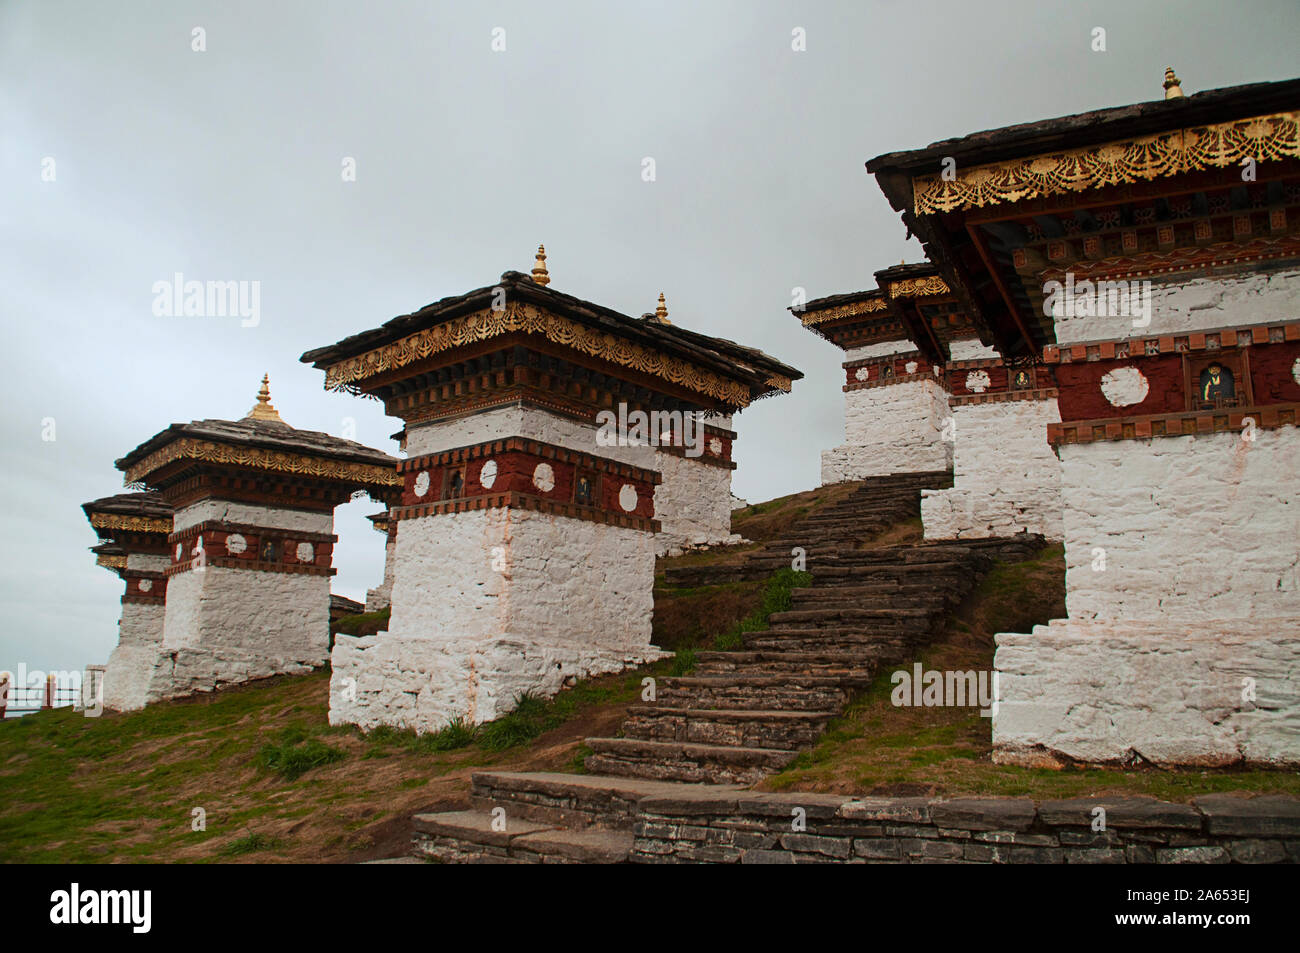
(526, 501)
(1189, 423)
(1003, 396)
(1150, 263)
(1138, 347)
(536, 448)
(249, 529)
(226, 562)
(927, 287)
(900, 379)
(530, 319)
(137, 524)
(1144, 158)
(851, 310)
(204, 451)
(116, 563)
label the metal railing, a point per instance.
(24, 698)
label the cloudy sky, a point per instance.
(128, 157)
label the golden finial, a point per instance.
(661, 311)
(263, 410)
(540, 274)
(1173, 85)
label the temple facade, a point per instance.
(1141, 265)
(246, 564)
(554, 448)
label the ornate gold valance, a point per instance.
(918, 287)
(1262, 138)
(530, 319)
(853, 309)
(209, 452)
(136, 524)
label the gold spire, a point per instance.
(540, 274)
(661, 311)
(263, 410)
(1173, 87)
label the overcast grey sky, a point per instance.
(226, 165)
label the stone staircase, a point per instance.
(875, 505)
(744, 714)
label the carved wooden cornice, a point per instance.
(530, 319)
(919, 287)
(850, 310)
(188, 448)
(1142, 159)
(138, 524)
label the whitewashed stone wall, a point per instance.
(970, 349)
(895, 428)
(1197, 305)
(1006, 479)
(1182, 580)
(1193, 528)
(489, 604)
(692, 503)
(382, 595)
(139, 635)
(1171, 693)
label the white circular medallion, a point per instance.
(862, 373)
(488, 475)
(627, 497)
(179, 549)
(715, 445)
(146, 585)
(977, 382)
(422, 483)
(236, 544)
(1124, 386)
(544, 478)
(305, 552)
(1295, 370)
(910, 367)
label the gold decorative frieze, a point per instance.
(918, 287)
(111, 562)
(530, 319)
(1142, 159)
(188, 448)
(851, 310)
(135, 524)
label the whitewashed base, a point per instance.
(897, 428)
(1169, 694)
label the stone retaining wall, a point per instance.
(749, 827)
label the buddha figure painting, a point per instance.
(1217, 385)
(1021, 380)
(582, 492)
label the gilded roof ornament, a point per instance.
(540, 274)
(1173, 87)
(661, 311)
(263, 410)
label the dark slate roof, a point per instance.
(108, 549)
(1099, 126)
(266, 434)
(147, 503)
(901, 272)
(727, 358)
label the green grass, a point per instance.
(777, 597)
(295, 754)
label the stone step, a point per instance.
(887, 619)
(470, 837)
(786, 730)
(790, 690)
(676, 761)
(574, 801)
